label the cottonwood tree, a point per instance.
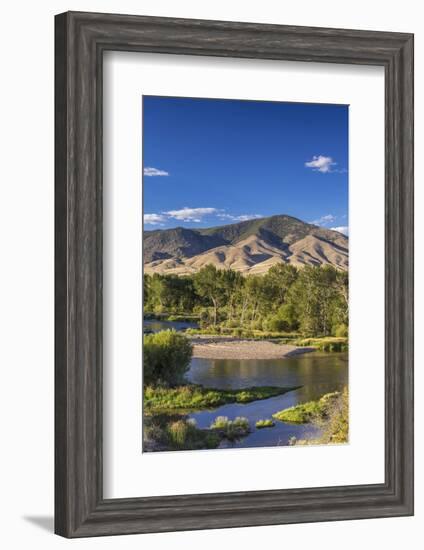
(210, 284)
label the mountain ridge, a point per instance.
(250, 246)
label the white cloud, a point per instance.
(150, 171)
(328, 218)
(154, 219)
(195, 215)
(342, 229)
(319, 163)
(187, 214)
(240, 218)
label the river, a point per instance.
(317, 373)
(156, 325)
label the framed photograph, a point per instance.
(234, 274)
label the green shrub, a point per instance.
(185, 435)
(333, 420)
(177, 432)
(167, 356)
(267, 423)
(335, 428)
(276, 324)
(256, 325)
(287, 313)
(283, 320)
(241, 422)
(220, 423)
(341, 331)
(231, 429)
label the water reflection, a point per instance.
(318, 373)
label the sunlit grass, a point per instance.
(231, 429)
(333, 422)
(328, 343)
(267, 423)
(194, 397)
(306, 412)
(178, 435)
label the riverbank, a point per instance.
(314, 374)
(210, 347)
(330, 413)
(196, 397)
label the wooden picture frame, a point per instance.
(81, 39)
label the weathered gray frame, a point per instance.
(81, 39)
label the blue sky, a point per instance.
(210, 162)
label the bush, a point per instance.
(179, 435)
(341, 331)
(220, 423)
(276, 324)
(256, 325)
(283, 320)
(231, 429)
(177, 432)
(335, 425)
(167, 356)
(333, 420)
(267, 423)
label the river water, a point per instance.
(317, 373)
(156, 325)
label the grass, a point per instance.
(178, 434)
(333, 424)
(185, 435)
(328, 343)
(194, 397)
(248, 333)
(267, 423)
(183, 317)
(307, 412)
(231, 429)
(322, 343)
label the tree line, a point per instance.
(311, 300)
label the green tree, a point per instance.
(312, 299)
(232, 282)
(209, 284)
(166, 358)
(313, 295)
(281, 277)
(146, 290)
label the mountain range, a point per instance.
(251, 246)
